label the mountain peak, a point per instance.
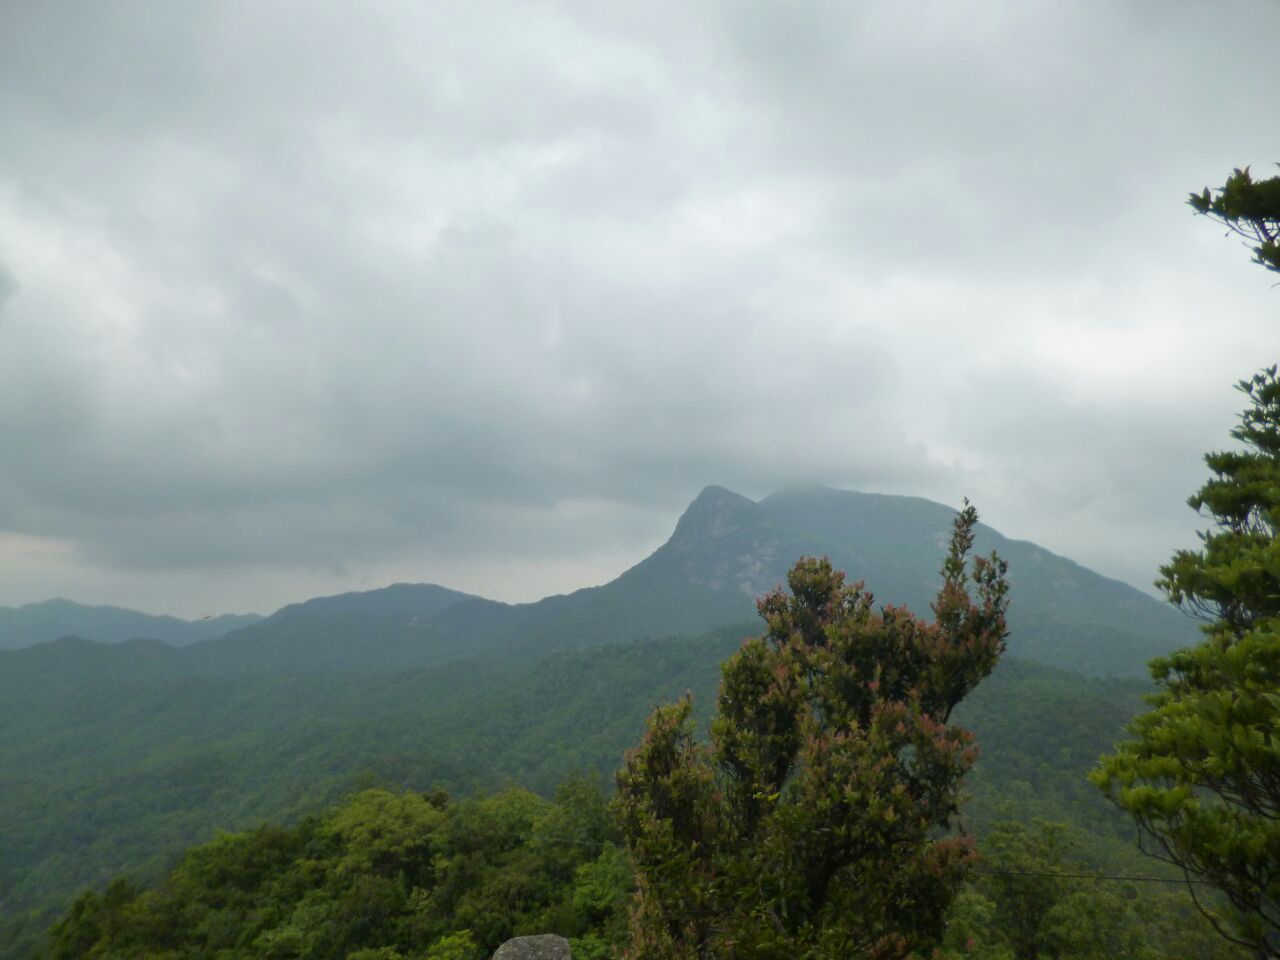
(716, 512)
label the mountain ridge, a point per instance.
(724, 551)
(33, 623)
(410, 599)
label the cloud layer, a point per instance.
(301, 297)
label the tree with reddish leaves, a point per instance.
(816, 823)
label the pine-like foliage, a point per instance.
(1202, 774)
(813, 823)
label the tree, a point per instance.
(1250, 208)
(1202, 773)
(812, 824)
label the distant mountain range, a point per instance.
(53, 619)
(726, 551)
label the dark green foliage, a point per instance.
(1202, 773)
(1036, 895)
(386, 874)
(277, 750)
(1251, 208)
(1232, 580)
(392, 874)
(808, 827)
(128, 772)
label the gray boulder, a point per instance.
(546, 946)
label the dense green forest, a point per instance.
(398, 874)
(386, 874)
(167, 767)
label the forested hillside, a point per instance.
(118, 756)
(391, 875)
(126, 779)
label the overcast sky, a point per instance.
(306, 297)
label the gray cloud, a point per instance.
(299, 296)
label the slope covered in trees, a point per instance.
(387, 874)
(392, 875)
(116, 757)
(121, 781)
